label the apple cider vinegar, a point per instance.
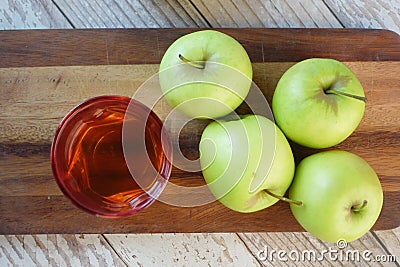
(93, 164)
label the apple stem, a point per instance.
(359, 207)
(191, 63)
(337, 92)
(291, 201)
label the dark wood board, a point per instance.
(33, 100)
(145, 46)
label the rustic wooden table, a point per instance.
(236, 249)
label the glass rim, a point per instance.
(54, 162)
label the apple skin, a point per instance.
(214, 91)
(241, 158)
(307, 114)
(328, 184)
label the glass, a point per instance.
(88, 157)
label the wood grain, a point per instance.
(23, 14)
(270, 14)
(378, 14)
(193, 12)
(22, 10)
(57, 250)
(33, 100)
(146, 46)
(29, 119)
(32, 122)
(39, 14)
(128, 14)
(391, 241)
(300, 242)
(182, 250)
(31, 14)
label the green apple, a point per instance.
(205, 74)
(340, 193)
(247, 163)
(318, 102)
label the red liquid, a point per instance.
(91, 165)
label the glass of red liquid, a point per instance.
(91, 149)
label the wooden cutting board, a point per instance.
(44, 73)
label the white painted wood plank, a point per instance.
(262, 244)
(182, 250)
(57, 250)
(175, 13)
(193, 12)
(391, 240)
(131, 13)
(10, 253)
(313, 14)
(30, 14)
(267, 13)
(379, 14)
